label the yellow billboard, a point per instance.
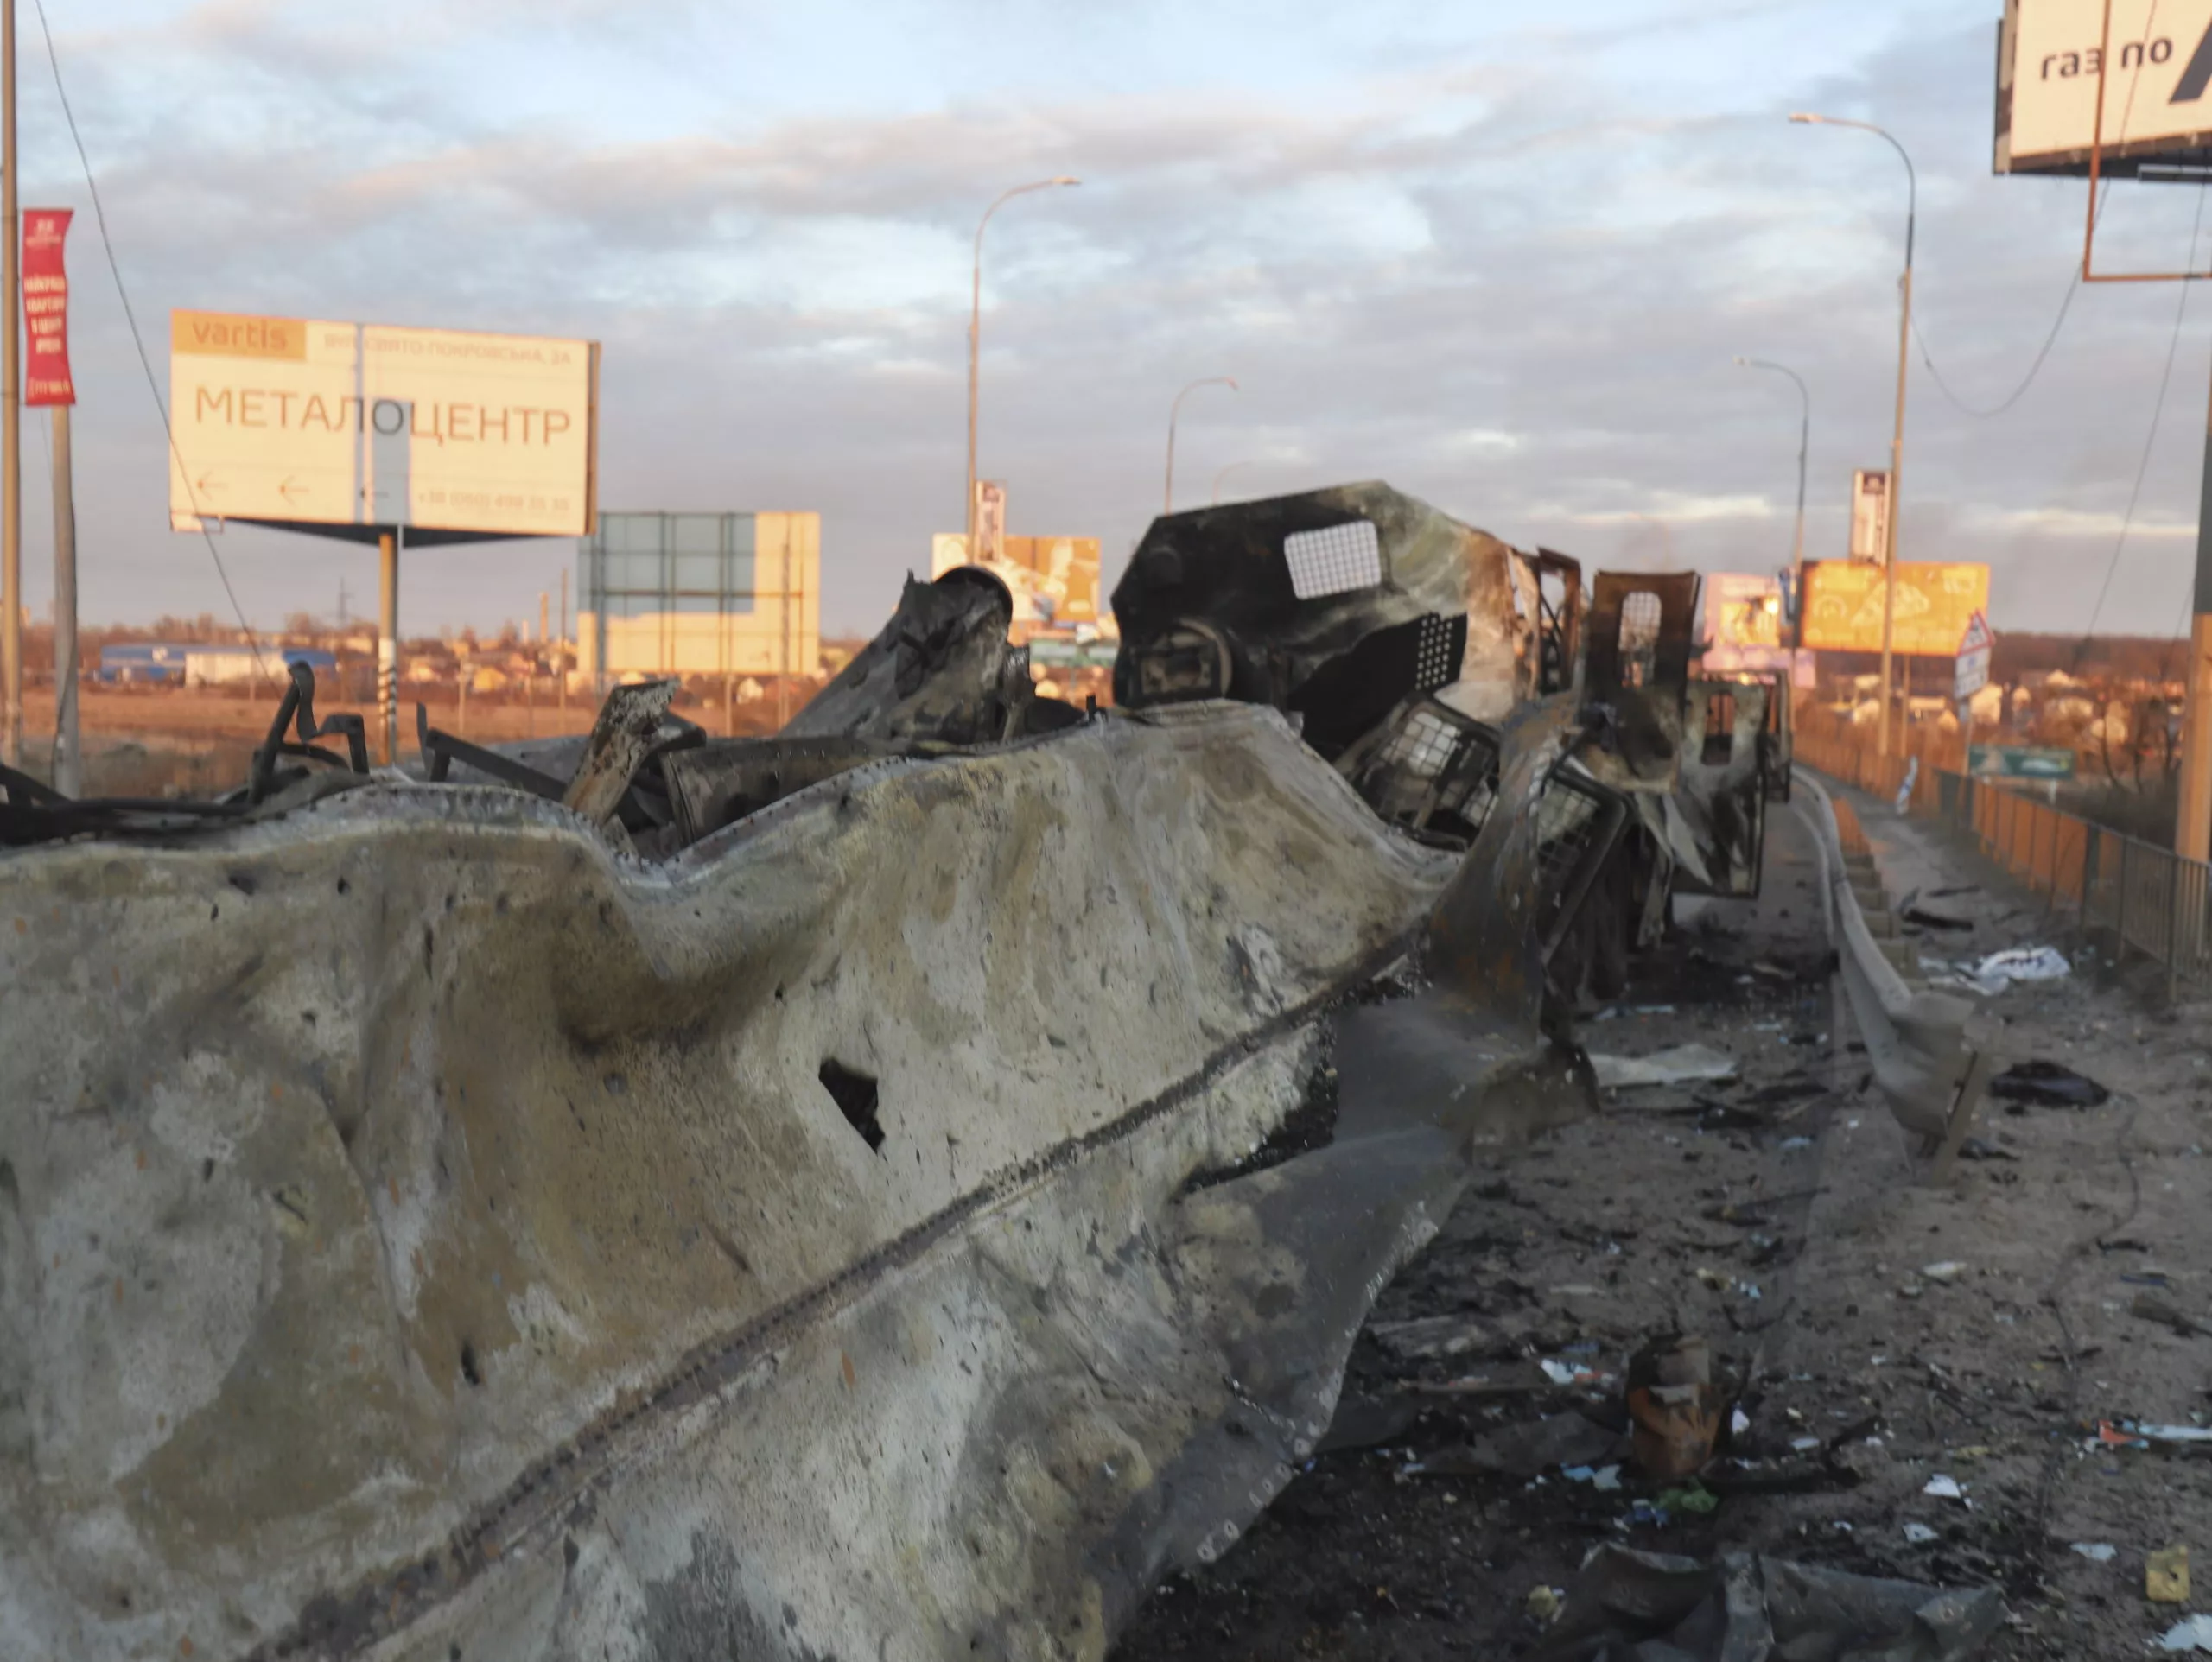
(310, 421)
(1843, 606)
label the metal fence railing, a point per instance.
(2147, 899)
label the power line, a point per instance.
(131, 317)
(2158, 409)
(2073, 284)
(2013, 398)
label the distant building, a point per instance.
(129, 661)
(700, 594)
(226, 666)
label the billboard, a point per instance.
(47, 379)
(1870, 515)
(2157, 65)
(1054, 579)
(314, 422)
(1843, 606)
(1743, 611)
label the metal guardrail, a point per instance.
(2149, 900)
(1915, 1038)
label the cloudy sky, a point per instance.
(1499, 254)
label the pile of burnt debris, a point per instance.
(1398, 642)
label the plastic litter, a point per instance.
(2194, 1634)
(2165, 1576)
(1543, 1603)
(1695, 1500)
(2048, 1085)
(1602, 1478)
(2096, 1552)
(1999, 970)
(1686, 1064)
(1918, 1534)
(1947, 1271)
(1623, 1602)
(1944, 1487)
(1560, 1373)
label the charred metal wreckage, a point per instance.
(651, 1196)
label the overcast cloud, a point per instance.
(1503, 263)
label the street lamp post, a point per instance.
(1223, 474)
(1897, 432)
(1804, 437)
(976, 332)
(1175, 409)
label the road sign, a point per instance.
(311, 422)
(1973, 658)
(2018, 762)
(2156, 57)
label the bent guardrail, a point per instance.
(1916, 1040)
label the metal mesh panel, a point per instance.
(1641, 614)
(1335, 559)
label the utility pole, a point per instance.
(562, 669)
(11, 416)
(2193, 823)
(1897, 432)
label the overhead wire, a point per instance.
(131, 317)
(2066, 300)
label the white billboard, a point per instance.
(2157, 64)
(317, 422)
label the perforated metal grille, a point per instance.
(1640, 615)
(1335, 559)
(1435, 664)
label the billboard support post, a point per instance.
(388, 642)
(11, 417)
(2193, 822)
(68, 743)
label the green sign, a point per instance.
(2018, 762)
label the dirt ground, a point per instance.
(1780, 1215)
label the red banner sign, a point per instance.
(46, 308)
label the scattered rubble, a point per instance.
(2048, 1085)
(1624, 1603)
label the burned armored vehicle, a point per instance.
(1400, 639)
(651, 1194)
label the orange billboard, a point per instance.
(1843, 606)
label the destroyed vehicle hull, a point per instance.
(424, 1231)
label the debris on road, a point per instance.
(1993, 975)
(1524, 1451)
(2151, 1309)
(2194, 1634)
(1675, 1405)
(1685, 1064)
(2048, 1085)
(2165, 1576)
(1744, 1605)
(2096, 1552)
